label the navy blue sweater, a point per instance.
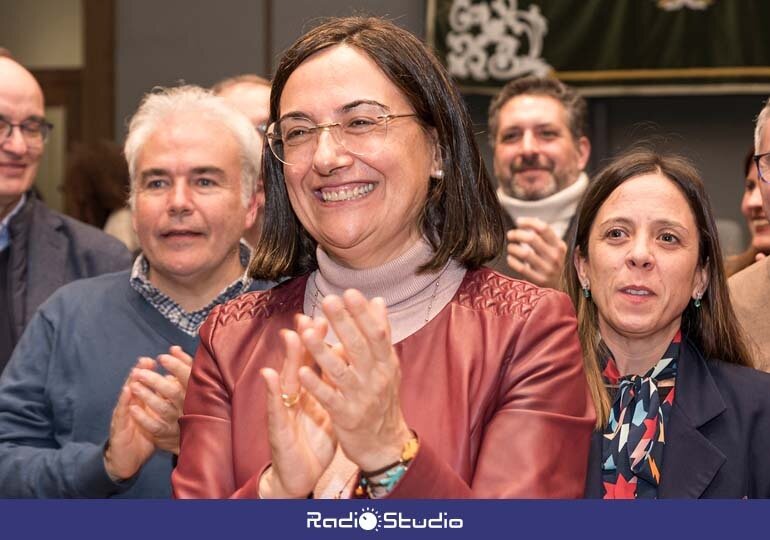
(58, 392)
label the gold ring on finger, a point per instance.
(290, 400)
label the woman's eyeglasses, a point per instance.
(294, 140)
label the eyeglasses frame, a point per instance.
(11, 125)
(317, 128)
(756, 158)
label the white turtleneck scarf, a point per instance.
(556, 210)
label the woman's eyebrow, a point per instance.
(341, 110)
(357, 103)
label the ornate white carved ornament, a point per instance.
(486, 40)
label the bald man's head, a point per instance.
(249, 94)
(21, 100)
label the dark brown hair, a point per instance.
(712, 327)
(572, 102)
(461, 218)
(96, 182)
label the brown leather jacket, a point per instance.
(493, 386)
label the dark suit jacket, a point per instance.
(718, 435)
(49, 249)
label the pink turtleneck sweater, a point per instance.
(413, 299)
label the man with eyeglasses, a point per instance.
(536, 130)
(40, 249)
(250, 94)
(750, 288)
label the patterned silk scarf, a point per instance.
(632, 447)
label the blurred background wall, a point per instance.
(96, 58)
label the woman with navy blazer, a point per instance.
(680, 412)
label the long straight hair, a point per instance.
(712, 327)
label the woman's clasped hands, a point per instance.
(345, 394)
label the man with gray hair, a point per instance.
(536, 129)
(750, 288)
(193, 163)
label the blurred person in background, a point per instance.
(96, 188)
(756, 220)
(40, 249)
(537, 133)
(750, 288)
(250, 94)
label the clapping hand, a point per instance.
(535, 252)
(359, 389)
(147, 414)
(129, 446)
(161, 396)
(300, 432)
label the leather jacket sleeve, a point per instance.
(208, 471)
(535, 442)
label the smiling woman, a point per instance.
(394, 364)
(754, 213)
(663, 352)
(359, 192)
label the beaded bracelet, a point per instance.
(376, 489)
(392, 473)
